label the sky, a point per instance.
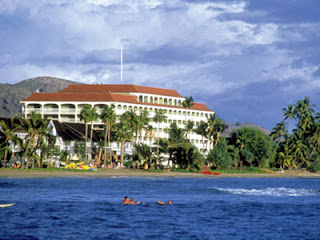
(245, 59)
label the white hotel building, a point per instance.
(65, 106)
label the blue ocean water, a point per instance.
(211, 208)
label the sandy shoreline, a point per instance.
(19, 173)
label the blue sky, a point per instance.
(245, 59)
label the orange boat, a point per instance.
(211, 173)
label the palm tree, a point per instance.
(144, 120)
(188, 102)
(94, 116)
(9, 132)
(305, 114)
(219, 127)
(123, 133)
(108, 117)
(149, 134)
(289, 113)
(277, 134)
(159, 117)
(85, 115)
(142, 152)
(189, 127)
(202, 130)
(211, 122)
(299, 149)
(36, 128)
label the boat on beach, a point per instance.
(211, 173)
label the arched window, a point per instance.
(145, 99)
(170, 101)
(160, 100)
(201, 114)
(170, 111)
(179, 113)
(174, 112)
(175, 102)
(140, 98)
(130, 108)
(166, 101)
(151, 99)
(197, 114)
(135, 109)
(193, 114)
(156, 100)
(119, 107)
(125, 107)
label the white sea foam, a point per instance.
(277, 192)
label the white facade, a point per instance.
(68, 111)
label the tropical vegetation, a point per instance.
(294, 143)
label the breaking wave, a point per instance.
(277, 192)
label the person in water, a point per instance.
(126, 200)
(163, 203)
(131, 201)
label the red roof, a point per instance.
(81, 97)
(120, 88)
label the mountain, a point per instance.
(235, 125)
(11, 94)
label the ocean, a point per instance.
(210, 208)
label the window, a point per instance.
(179, 121)
(119, 107)
(145, 99)
(166, 101)
(125, 107)
(140, 98)
(197, 114)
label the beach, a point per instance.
(101, 173)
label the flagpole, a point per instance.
(121, 64)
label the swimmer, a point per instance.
(131, 201)
(126, 200)
(161, 203)
(169, 202)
